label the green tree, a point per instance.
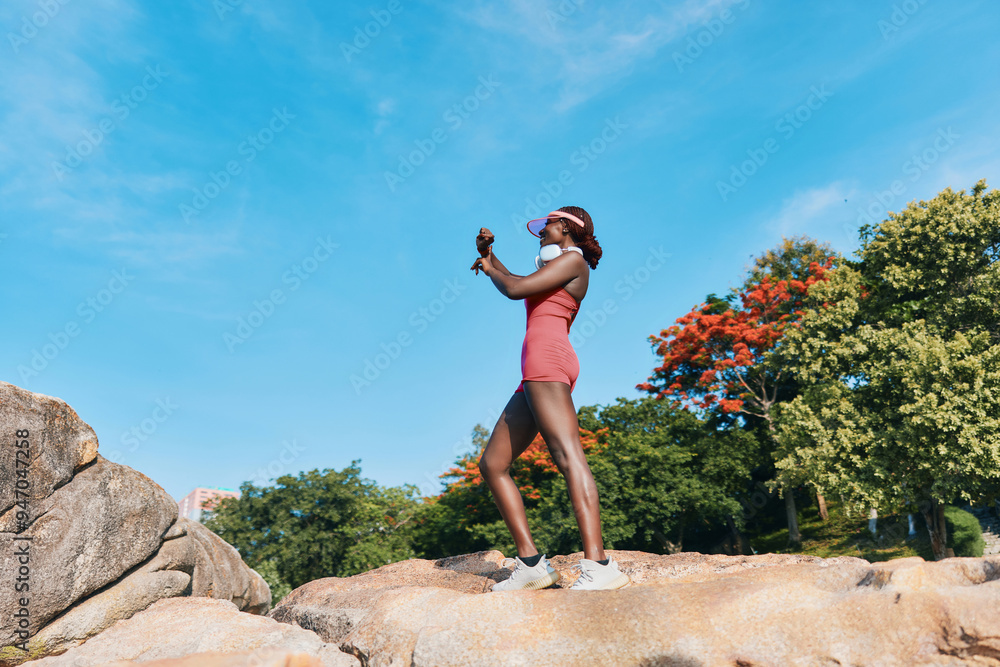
(715, 357)
(898, 357)
(318, 524)
(666, 474)
(789, 260)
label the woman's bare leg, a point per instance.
(513, 433)
(552, 407)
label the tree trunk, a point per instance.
(739, 542)
(934, 516)
(821, 501)
(668, 546)
(794, 536)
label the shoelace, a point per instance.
(511, 561)
(584, 572)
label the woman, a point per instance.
(542, 402)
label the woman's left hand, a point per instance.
(482, 263)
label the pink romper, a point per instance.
(546, 353)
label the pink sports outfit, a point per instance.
(546, 353)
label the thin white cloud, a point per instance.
(169, 248)
(383, 109)
(817, 212)
(53, 95)
(591, 47)
(978, 157)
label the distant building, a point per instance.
(192, 504)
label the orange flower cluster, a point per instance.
(709, 358)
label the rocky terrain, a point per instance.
(90, 542)
(116, 578)
(682, 609)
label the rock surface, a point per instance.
(60, 442)
(683, 609)
(84, 535)
(92, 541)
(184, 627)
(263, 658)
(192, 561)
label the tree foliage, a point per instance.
(898, 357)
(318, 524)
(792, 259)
(716, 359)
(936, 261)
(670, 477)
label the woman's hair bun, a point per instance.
(584, 238)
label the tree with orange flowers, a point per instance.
(714, 358)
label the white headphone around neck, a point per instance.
(549, 252)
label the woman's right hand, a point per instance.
(482, 264)
(483, 241)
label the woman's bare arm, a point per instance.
(495, 261)
(553, 275)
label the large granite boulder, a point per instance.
(59, 443)
(92, 541)
(203, 631)
(104, 521)
(683, 609)
(193, 561)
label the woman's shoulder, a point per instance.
(573, 254)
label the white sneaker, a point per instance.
(542, 575)
(597, 577)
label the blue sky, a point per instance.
(214, 214)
